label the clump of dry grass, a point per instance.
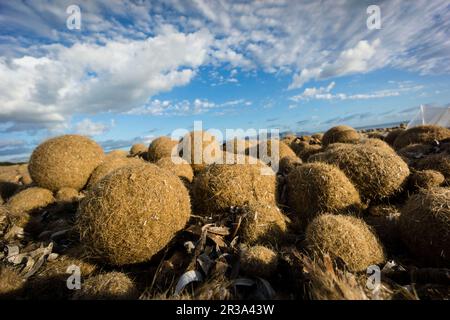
(375, 135)
(222, 186)
(268, 148)
(109, 166)
(325, 282)
(304, 150)
(425, 179)
(30, 199)
(316, 188)
(376, 143)
(11, 283)
(317, 157)
(21, 206)
(116, 154)
(138, 149)
(287, 163)
(271, 151)
(132, 214)
(67, 195)
(376, 172)
(347, 238)
(200, 148)
(50, 282)
(260, 223)
(238, 146)
(181, 168)
(392, 135)
(421, 135)
(383, 219)
(162, 147)
(64, 161)
(343, 134)
(108, 286)
(439, 162)
(414, 152)
(232, 158)
(258, 261)
(317, 136)
(425, 224)
(288, 139)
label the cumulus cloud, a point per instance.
(89, 128)
(354, 60)
(89, 78)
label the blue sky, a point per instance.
(140, 69)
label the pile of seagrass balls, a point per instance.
(325, 191)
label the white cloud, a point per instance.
(186, 107)
(324, 93)
(90, 78)
(354, 60)
(89, 128)
(313, 92)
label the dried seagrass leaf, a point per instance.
(187, 278)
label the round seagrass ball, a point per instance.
(269, 147)
(138, 148)
(161, 147)
(267, 153)
(439, 162)
(343, 134)
(392, 135)
(181, 168)
(288, 139)
(109, 166)
(116, 154)
(425, 226)
(133, 213)
(11, 284)
(258, 261)
(315, 188)
(347, 238)
(64, 161)
(30, 199)
(200, 148)
(412, 153)
(67, 195)
(222, 186)
(375, 172)
(383, 219)
(238, 146)
(376, 143)
(425, 179)
(304, 150)
(421, 135)
(262, 224)
(287, 163)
